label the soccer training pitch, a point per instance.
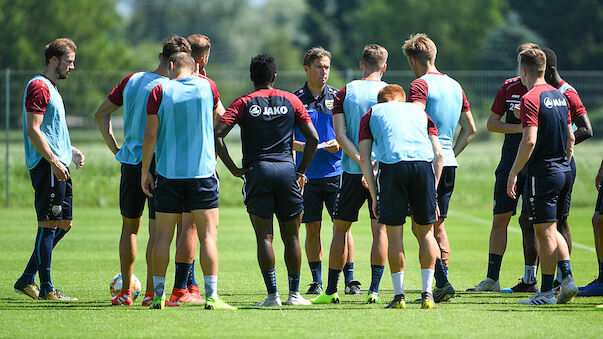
(86, 260)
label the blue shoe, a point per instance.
(444, 293)
(594, 289)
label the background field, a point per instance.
(87, 259)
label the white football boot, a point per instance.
(567, 291)
(272, 299)
(487, 285)
(539, 298)
(296, 299)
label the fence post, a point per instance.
(7, 121)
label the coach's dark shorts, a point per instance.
(271, 187)
(407, 183)
(316, 192)
(545, 196)
(445, 188)
(503, 203)
(185, 195)
(131, 196)
(53, 198)
(351, 195)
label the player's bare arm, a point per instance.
(103, 119)
(221, 131)
(467, 132)
(34, 121)
(340, 127)
(148, 148)
(311, 136)
(366, 147)
(78, 157)
(571, 139)
(218, 111)
(495, 125)
(526, 147)
(438, 157)
(584, 131)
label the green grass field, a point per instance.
(86, 260)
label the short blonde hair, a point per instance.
(200, 45)
(420, 47)
(526, 46)
(391, 93)
(533, 60)
(374, 57)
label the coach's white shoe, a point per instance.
(540, 298)
(487, 285)
(567, 291)
(296, 299)
(272, 299)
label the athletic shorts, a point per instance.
(351, 195)
(316, 192)
(185, 195)
(53, 198)
(545, 196)
(406, 183)
(568, 197)
(445, 188)
(271, 187)
(131, 196)
(503, 203)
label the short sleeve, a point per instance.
(431, 127)
(365, 128)
(576, 107)
(466, 107)
(338, 102)
(117, 94)
(154, 100)
(214, 90)
(234, 112)
(499, 106)
(418, 91)
(529, 112)
(37, 97)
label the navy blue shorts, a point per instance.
(271, 187)
(406, 183)
(351, 195)
(131, 196)
(185, 195)
(568, 197)
(316, 192)
(53, 198)
(546, 195)
(503, 203)
(445, 188)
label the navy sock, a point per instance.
(494, 262)
(333, 281)
(58, 235)
(376, 273)
(43, 250)
(439, 274)
(316, 269)
(348, 272)
(191, 276)
(182, 272)
(270, 280)
(565, 267)
(547, 282)
(29, 275)
(600, 279)
(294, 282)
(446, 271)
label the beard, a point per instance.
(60, 75)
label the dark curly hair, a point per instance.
(262, 69)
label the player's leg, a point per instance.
(562, 222)
(127, 256)
(351, 286)
(395, 256)
(595, 288)
(378, 259)
(264, 234)
(445, 189)
(290, 236)
(166, 222)
(428, 253)
(150, 288)
(186, 246)
(312, 216)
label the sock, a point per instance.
(427, 278)
(43, 251)
(59, 234)
(293, 282)
(529, 275)
(182, 272)
(440, 277)
(333, 281)
(348, 272)
(398, 282)
(211, 286)
(564, 269)
(600, 279)
(159, 283)
(270, 280)
(376, 273)
(446, 271)
(29, 275)
(558, 276)
(316, 269)
(547, 283)
(191, 276)
(494, 261)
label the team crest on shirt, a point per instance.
(56, 210)
(329, 103)
(255, 110)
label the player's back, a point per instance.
(135, 97)
(444, 103)
(185, 141)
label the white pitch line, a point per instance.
(516, 229)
